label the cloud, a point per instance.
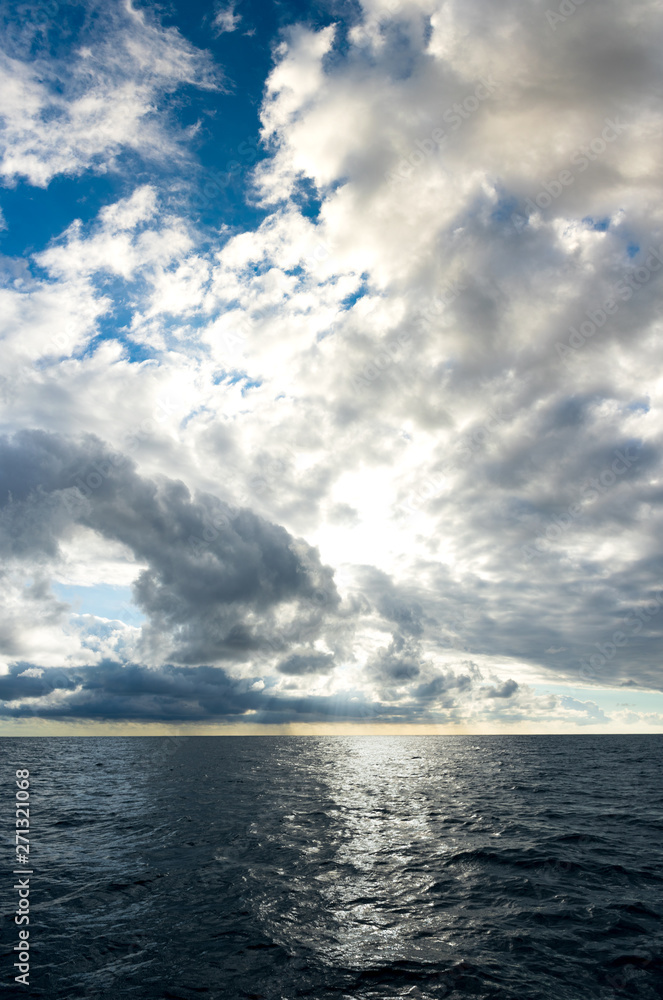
(130, 691)
(311, 663)
(488, 283)
(505, 690)
(410, 417)
(398, 664)
(65, 116)
(112, 690)
(225, 19)
(441, 685)
(593, 713)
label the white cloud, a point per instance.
(70, 116)
(225, 19)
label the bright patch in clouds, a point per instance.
(387, 450)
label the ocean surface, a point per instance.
(518, 868)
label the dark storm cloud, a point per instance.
(19, 685)
(505, 690)
(394, 603)
(113, 690)
(397, 664)
(441, 685)
(210, 567)
(311, 663)
(171, 693)
(175, 693)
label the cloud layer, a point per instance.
(394, 449)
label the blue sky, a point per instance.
(331, 340)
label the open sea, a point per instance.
(215, 868)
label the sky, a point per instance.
(331, 379)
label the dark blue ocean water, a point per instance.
(517, 868)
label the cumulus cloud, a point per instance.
(212, 574)
(225, 19)
(505, 690)
(516, 484)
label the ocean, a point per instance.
(215, 868)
